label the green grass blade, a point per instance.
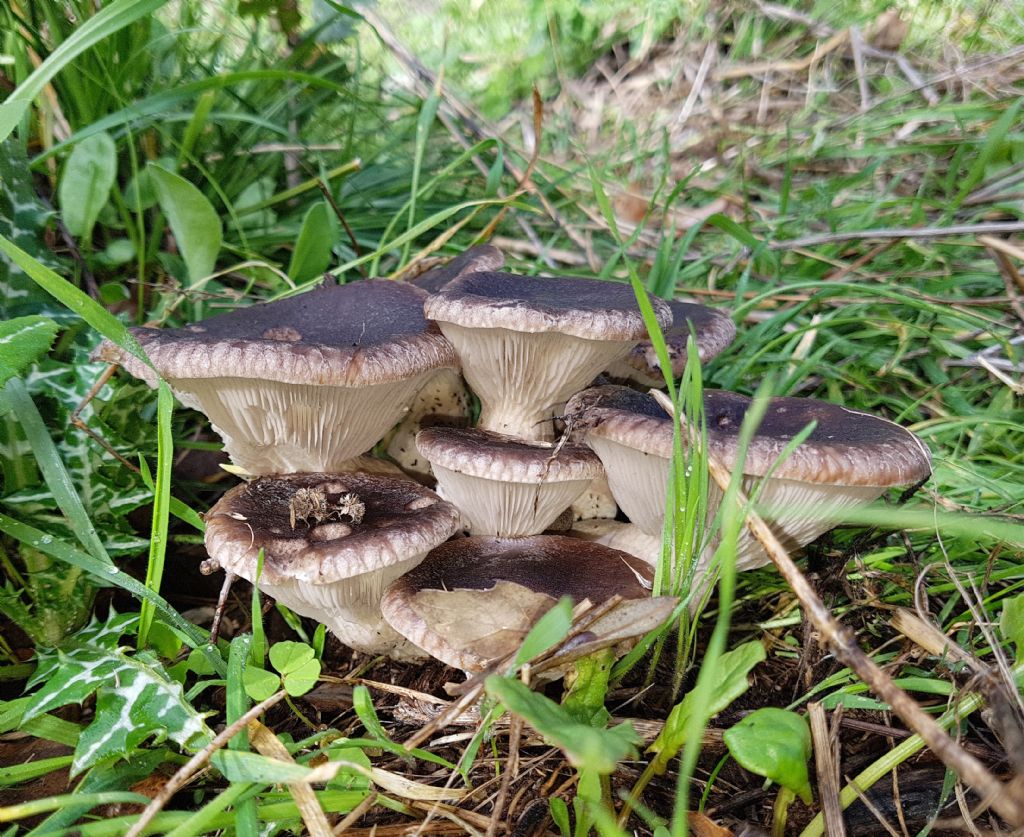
(56, 476)
(161, 507)
(104, 23)
(81, 304)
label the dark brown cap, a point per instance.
(495, 456)
(712, 330)
(366, 332)
(395, 520)
(505, 486)
(591, 309)
(483, 257)
(846, 447)
(474, 599)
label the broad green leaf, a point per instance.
(55, 473)
(135, 698)
(240, 766)
(22, 341)
(1011, 624)
(85, 183)
(314, 246)
(24, 218)
(80, 303)
(109, 573)
(259, 684)
(302, 679)
(584, 699)
(194, 222)
(362, 703)
(251, 206)
(297, 664)
(774, 743)
(731, 677)
(560, 815)
(585, 746)
(290, 656)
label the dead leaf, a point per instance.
(482, 625)
(888, 31)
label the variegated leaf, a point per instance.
(135, 698)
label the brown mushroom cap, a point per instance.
(713, 331)
(474, 599)
(362, 333)
(495, 456)
(528, 343)
(592, 309)
(334, 564)
(401, 519)
(304, 383)
(483, 257)
(506, 487)
(849, 459)
(846, 447)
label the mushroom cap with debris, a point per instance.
(528, 343)
(331, 544)
(473, 600)
(304, 383)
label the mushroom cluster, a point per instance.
(303, 389)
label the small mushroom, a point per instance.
(712, 330)
(483, 257)
(473, 600)
(331, 543)
(528, 343)
(304, 383)
(506, 487)
(850, 459)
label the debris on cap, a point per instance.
(331, 544)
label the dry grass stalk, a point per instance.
(826, 764)
(269, 745)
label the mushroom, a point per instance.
(849, 459)
(712, 330)
(528, 343)
(483, 257)
(473, 600)
(304, 383)
(331, 544)
(506, 487)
